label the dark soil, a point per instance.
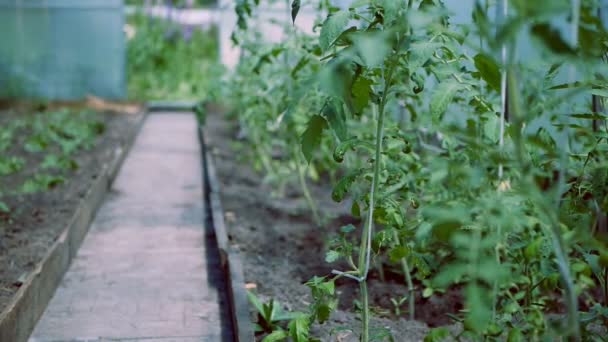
(282, 249)
(36, 220)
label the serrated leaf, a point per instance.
(332, 256)
(343, 185)
(323, 311)
(399, 253)
(295, 8)
(311, 138)
(350, 144)
(348, 228)
(332, 28)
(488, 70)
(334, 114)
(335, 79)
(391, 10)
(442, 97)
(299, 329)
(361, 90)
(275, 336)
(371, 47)
(420, 53)
(479, 305)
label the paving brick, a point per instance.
(147, 270)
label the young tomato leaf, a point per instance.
(275, 336)
(361, 90)
(299, 328)
(444, 93)
(488, 70)
(371, 47)
(311, 138)
(334, 113)
(343, 185)
(350, 144)
(295, 8)
(336, 79)
(391, 10)
(479, 306)
(332, 28)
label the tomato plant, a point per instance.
(473, 165)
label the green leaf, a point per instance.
(479, 305)
(301, 64)
(391, 10)
(350, 144)
(515, 335)
(334, 113)
(399, 253)
(361, 90)
(343, 185)
(332, 256)
(552, 39)
(589, 116)
(441, 98)
(488, 70)
(332, 28)
(299, 329)
(348, 228)
(599, 92)
(420, 53)
(255, 302)
(311, 138)
(4, 208)
(277, 335)
(437, 335)
(336, 79)
(371, 47)
(295, 8)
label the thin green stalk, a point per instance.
(304, 186)
(364, 311)
(365, 247)
(408, 279)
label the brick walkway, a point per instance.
(147, 270)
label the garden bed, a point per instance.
(50, 201)
(282, 248)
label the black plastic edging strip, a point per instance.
(231, 259)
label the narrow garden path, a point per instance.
(148, 270)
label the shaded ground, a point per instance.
(37, 219)
(282, 248)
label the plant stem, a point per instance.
(302, 179)
(364, 311)
(408, 279)
(366, 234)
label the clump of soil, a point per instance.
(36, 220)
(282, 249)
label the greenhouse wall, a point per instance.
(62, 49)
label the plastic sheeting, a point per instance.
(62, 49)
